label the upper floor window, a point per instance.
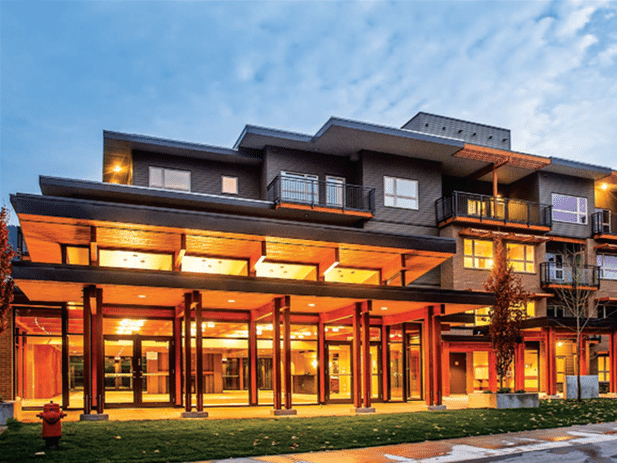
(335, 191)
(521, 257)
(400, 192)
(170, 179)
(571, 209)
(229, 185)
(478, 254)
(135, 259)
(300, 188)
(608, 266)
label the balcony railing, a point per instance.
(317, 193)
(554, 274)
(494, 209)
(604, 223)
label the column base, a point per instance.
(194, 415)
(363, 410)
(436, 407)
(284, 412)
(94, 417)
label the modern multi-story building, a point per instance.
(343, 266)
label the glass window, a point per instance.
(608, 266)
(353, 275)
(400, 192)
(286, 271)
(135, 259)
(214, 265)
(77, 255)
(478, 254)
(571, 209)
(170, 179)
(301, 188)
(230, 185)
(521, 257)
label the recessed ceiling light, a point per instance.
(311, 305)
(141, 296)
(231, 300)
(384, 308)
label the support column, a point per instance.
(276, 353)
(427, 343)
(199, 353)
(551, 362)
(519, 367)
(321, 360)
(287, 357)
(385, 363)
(492, 372)
(100, 352)
(613, 361)
(445, 368)
(356, 357)
(253, 398)
(87, 346)
(177, 378)
(366, 356)
(65, 356)
(436, 361)
(188, 302)
(582, 360)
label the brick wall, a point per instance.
(6, 362)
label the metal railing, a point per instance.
(604, 223)
(328, 194)
(575, 276)
(492, 208)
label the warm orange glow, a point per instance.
(604, 186)
(117, 168)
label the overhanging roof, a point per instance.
(576, 169)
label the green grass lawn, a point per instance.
(193, 440)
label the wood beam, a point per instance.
(257, 257)
(416, 314)
(199, 351)
(263, 311)
(179, 255)
(94, 254)
(339, 314)
(356, 356)
(492, 167)
(333, 258)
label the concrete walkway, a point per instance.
(484, 448)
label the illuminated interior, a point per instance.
(214, 265)
(287, 271)
(353, 275)
(134, 259)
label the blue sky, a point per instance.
(200, 71)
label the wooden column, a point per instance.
(582, 360)
(321, 359)
(385, 363)
(100, 351)
(613, 361)
(429, 368)
(356, 357)
(199, 353)
(287, 353)
(436, 359)
(87, 321)
(65, 356)
(366, 352)
(177, 377)
(445, 368)
(519, 367)
(276, 353)
(551, 362)
(492, 372)
(188, 302)
(253, 397)
(405, 360)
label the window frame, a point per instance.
(477, 258)
(524, 261)
(580, 218)
(163, 170)
(309, 193)
(394, 196)
(235, 184)
(600, 263)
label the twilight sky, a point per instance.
(199, 71)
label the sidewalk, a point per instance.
(455, 450)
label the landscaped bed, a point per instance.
(188, 440)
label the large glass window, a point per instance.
(135, 259)
(521, 257)
(400, 192)
(478, 254)
(608, 266)
(571, 209)
(215, 265)
(77, 255)
(170, 179)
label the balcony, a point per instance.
(475, 208)
(557, 275)
(604, 225)
(316, 195)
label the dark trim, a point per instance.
(104, 276)
(81, 209)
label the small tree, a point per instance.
(576, 298)
(508, 311)
(6, 269)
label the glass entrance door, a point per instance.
(339, 372)
(137, 371)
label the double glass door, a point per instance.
(339, 372)
(138, 370)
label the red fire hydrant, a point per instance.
(52, 426)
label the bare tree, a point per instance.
(508, 312)
(6, 269)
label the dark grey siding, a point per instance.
(574, 186)
(205, 175)
(526, 189)
(389, 219)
